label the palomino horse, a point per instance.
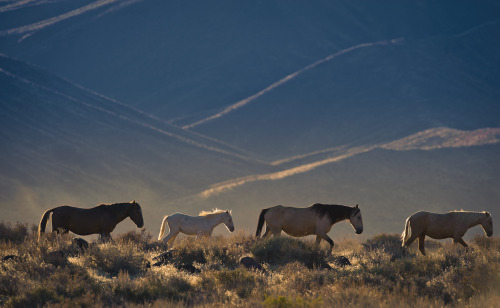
(316, 219)
(440, 226)
(100, 220)
(202, 225)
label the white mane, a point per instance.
(214, 211)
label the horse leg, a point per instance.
(267, 233)
(171, 241)
(170, 237)
(461, 241)
(326, 238)
(104, 237)
(317, 242)
(421, 243)
(410, 240)
(203, 234)
(275, 231)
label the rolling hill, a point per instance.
(185, 106)
(64, 144)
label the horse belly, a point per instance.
(78, 221)
(189, 225)
(439, 227)
(438, 232)
(298, 231)
(299, 224)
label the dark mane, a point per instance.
(334, 212)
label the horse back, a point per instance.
(437, 226)
(79, 220)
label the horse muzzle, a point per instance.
(489, 234)
(231, 229)
(359, 231)
(140, 225)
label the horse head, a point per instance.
(487, 224)
(228, 221)
(135, 213)
(356, 220)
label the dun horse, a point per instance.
(202, 225)
(100, 220)
(440, 226)
(316, 219)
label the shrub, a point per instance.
(389, 243)
(15, 234)
(487, 243)
(281, 250)
(37, 297)
(284, 301)
(115, 274)
(109, 259)
(238, 280)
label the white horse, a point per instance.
(440, 226)
(202, 225)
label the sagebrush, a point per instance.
(136, 270)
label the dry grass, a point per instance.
(57, 273)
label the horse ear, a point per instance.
(357, 206)
(133, 202)
(488, 214)
(227, 212)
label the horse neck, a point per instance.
(215, 219)
(335, 213)
(471, 219)
(120, 211)
(348, 212)
(344, 212)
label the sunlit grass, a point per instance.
(206, 272)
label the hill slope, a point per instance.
(65, 144)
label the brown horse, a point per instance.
(440, 226)
(100, 220)
(316, 219)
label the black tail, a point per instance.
(261, 222)
(43, 222)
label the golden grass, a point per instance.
(56, 273)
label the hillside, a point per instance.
(188, 106)
(64, 144)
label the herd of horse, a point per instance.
(316, 219)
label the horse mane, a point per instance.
(335, 212)
(113, 205)
(466, 217)
(213, 212)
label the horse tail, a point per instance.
(406, 234)
(261, 222)
(162, 228)
(43, 222)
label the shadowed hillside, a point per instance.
(242, 105)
